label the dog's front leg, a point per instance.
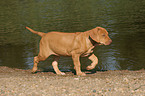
(77, 64)
(94, 60)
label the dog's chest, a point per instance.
(88, 52)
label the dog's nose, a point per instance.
(110, 41)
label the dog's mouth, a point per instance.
(108, 42)
(99, 43)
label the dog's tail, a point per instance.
(36, 32)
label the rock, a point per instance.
(76, 78)
(94, 91)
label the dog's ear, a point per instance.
(94, 34)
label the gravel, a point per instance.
(17, 82)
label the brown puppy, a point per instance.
(70, 44)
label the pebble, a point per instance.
(76, 78)
(99, 84)
(94, 91)
(125, 79)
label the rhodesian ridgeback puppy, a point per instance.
(76, 45)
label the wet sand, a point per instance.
(18, 82)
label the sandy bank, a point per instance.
(17, 82)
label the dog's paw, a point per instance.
(62, 73)
(34, 70)
(90, 67)
(81, 74)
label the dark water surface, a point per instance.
(124, 20)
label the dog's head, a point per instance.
(100, 35)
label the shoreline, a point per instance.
(102, 83)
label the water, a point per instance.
(124, 20)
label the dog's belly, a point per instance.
(60, 52)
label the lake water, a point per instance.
(124, 20)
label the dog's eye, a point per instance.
(103, 35)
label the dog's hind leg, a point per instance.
(55, 66)
(36, 61)
(43, 55)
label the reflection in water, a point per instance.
(15, 56)
(124, 21)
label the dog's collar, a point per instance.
(94, 43)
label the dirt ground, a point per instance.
(18, 82)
